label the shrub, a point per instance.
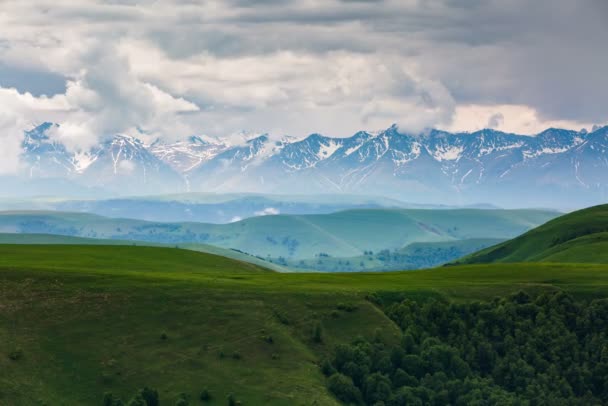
(317, 333)
(232, 400)
(109, 399)
(137, 400)
(347, 307)
(150, 396)
(236, 355)
(343, 388)
(281, 317)
(205, 395)
(182, 400)
(163, 336)
(16, 354)
(327, 368)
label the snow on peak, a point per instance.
(328, 149)
(448, 153)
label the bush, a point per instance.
(109, 399)
(232, 400)
(137, 400)
(327, 368)
(16, 354)
(347, 307)
(205, 395)
(343, 388)
(281, 317)
(150, 396)
(236, 355)
(163, 336)
(182, 400)
(317, 333)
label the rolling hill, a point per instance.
(578, 237)
(343, 234)
(53, 239)
(99, 319)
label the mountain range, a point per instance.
(555, 168)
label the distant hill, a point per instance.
(578, 237)
(414, 256)
(216, 208)
(343, 234)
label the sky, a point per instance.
(171, 68)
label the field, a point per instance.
(116, 318)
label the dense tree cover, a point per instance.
(520, 350)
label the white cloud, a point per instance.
(508, 118)
(19, 111)
(126, 166)
(268, 211)
(175, 67)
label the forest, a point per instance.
(545, 349)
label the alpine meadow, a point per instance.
(303, 203)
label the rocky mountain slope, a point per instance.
(557, 168)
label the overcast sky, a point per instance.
(176, 67)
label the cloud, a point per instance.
(495, 120)
(268, 211)
(126, 166)
(106, 98)
(175, 67)
(20, 111)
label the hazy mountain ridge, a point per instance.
(435, 167)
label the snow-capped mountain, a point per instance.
(556, 168)
(183, 156)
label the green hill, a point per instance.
(78, 321)
(578, 237)
(53, 239)
(343, 234)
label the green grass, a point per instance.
(578, 237)
(89, 319)
(343, 234)
(52, 239)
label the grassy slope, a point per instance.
(51, 239)
(578, 237)
(342, 234)
(89, 320)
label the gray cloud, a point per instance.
(306, 65)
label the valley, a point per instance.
(337, 241)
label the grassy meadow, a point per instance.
(93, 319)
